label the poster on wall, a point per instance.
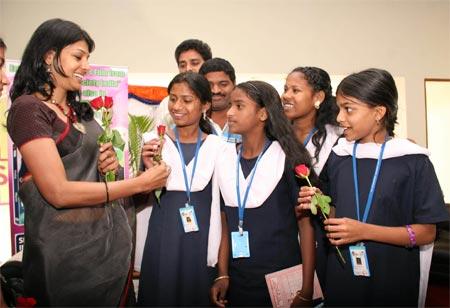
(100, 81)
(16, 209)
(113, 82)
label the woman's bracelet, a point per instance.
(222, 277)
(412, 236)
(107, 191)
(302, 298)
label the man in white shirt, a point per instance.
(222, 80)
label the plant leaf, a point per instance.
(138, 125)
(103, 138)
(323, 202)
(314, 205)
(117, 140)
(327, 198)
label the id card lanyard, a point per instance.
(311, 133)
(372, 186)
(188, 184)
(358, 253)
(241, 204)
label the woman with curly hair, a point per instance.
(309, 104)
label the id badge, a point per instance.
(360, 265)
(188, 219)
(240, 245)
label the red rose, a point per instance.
(161, 130)
(302, 171)
(97, 103)
(108, 102)
(25, 302)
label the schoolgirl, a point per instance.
(387, 199)
(259, 191)
(185, 229)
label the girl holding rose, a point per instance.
(184, 231)
(309, 104)
(386, 195)
(77, 246)
(256, 178)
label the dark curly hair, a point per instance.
(200, 86)
(375, 87)
(277, 126)
(32, 75)
(319, 80)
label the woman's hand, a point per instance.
(107, 160)
(305, 195)
(149, 150)
(341, 231)
(218, 292)
(155, 177)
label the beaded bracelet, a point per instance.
(222, 277)
(412, 236)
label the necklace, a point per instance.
(71, 116)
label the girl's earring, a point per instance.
(317, 104)
(48, 69)
(204, 115)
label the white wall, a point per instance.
(410, 38)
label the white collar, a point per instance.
(395, 147)
(205, 163)
(216, 127)
(268, 173)
(333, 134)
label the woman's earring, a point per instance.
(317, 104)
(204, 115)
(378, 121)
(48, 69)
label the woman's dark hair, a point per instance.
(277, 126)
(200, 86)
(319, 80)
(32, 75)
(193, 44)
(375, 87)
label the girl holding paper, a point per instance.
(257, 179)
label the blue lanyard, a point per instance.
(311, 133)
(372, 186)
(183, 163)
(241, 205)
